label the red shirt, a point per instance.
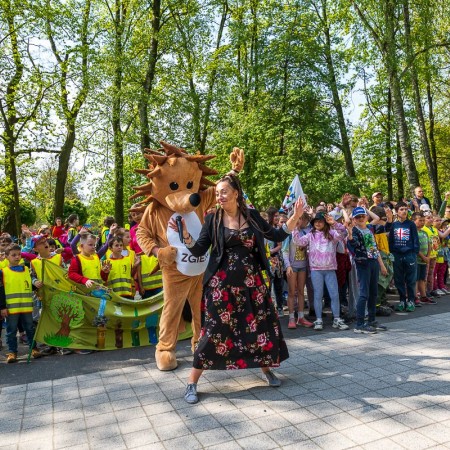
(57, 231)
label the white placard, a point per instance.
(187, 263)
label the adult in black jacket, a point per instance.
(241, 328)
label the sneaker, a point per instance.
(445, 291)
(434, 294)
(401, 306)
(272, 379)
(382, 310)
(65, 351)
(291, 324)
(364, 329)
(303, 322)
(35, 353)
(280, 312)
(410, 306)
(377, 326)
(318, 325)
(190, 394)
(47, 351)
(417, 303)
(440, 292)
(427, 301)
(11, 358)
(340, 324)
(83, 352)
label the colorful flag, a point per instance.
(74, 316)
(294, 192)
(247, 201)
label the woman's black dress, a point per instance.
(241, 327)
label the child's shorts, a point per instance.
(421, 272)
(298, 269)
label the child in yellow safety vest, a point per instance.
(149, 276)
(86, 268)
(16, 302)
(120, 278)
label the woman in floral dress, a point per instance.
(241, 328)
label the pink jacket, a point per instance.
(321, 251)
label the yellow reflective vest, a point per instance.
(150, 280)
(119, 278)
(37, 263)
(18, 290)
(91, 268)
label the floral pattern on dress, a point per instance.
(241, 327)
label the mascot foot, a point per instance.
(165, 360)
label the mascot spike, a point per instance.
(142, 171)
(171, 149)
(154, 173)
(207, 170)
(200, 158)
(160, 160)
(207, 182)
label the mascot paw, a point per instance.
(165, 360)
(237, 159)
(166, 256)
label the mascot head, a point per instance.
(175, 178)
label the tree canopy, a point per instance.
(86, 85)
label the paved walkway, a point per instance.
(340, 390)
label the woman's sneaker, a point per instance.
(318, 325)
(291, 323)
(304, 323)
(340, 324)
(272, 379)
(190, 394)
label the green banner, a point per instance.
(74, 316)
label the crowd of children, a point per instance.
(343, 255)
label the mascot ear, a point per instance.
(237, 159)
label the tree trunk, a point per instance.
(390, 58)
(399, 168)
(63, 169)
(390, 190)
(12, 224)
(147, 85)
(431, 170)
(332, 81)
(116, 115)
(387, 46)
(431, 128)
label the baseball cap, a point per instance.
(358, 211)
(336, 215)
(377, 193)
(36, 239)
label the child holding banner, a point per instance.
(120, 276)
(16, 302)
(86, 267)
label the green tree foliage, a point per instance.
(96, 81)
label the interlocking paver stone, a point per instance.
(339, 391)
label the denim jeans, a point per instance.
(405, 275)
(12, 322)
(368, 290)
(327, 277)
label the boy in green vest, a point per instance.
(16, 302)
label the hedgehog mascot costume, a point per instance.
(177, 187)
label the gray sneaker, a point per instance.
(190, 395)
(272, 379)
(378, 326)
(364, 329)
